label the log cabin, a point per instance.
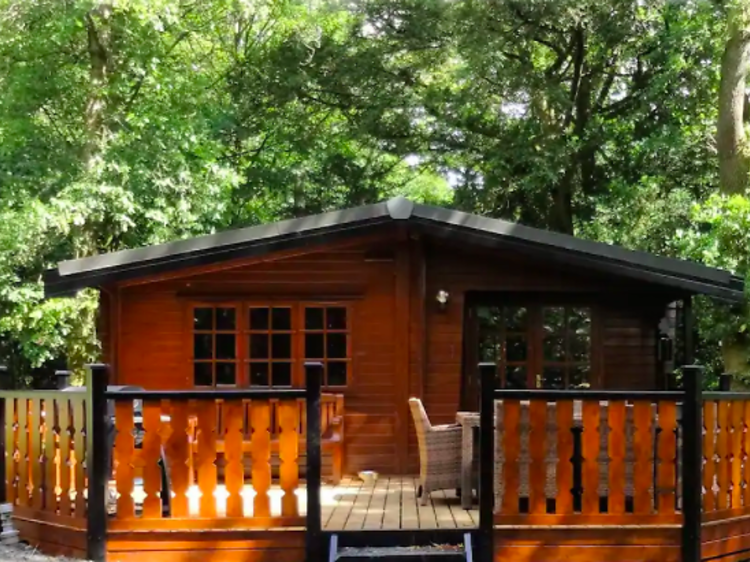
(394, 300)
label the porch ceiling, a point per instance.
(685, 276)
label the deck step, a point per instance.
(449, 552)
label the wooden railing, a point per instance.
(726, 454)
(331, 423)
(44, 445)
(61, 448)
(179, 436)
(593, 460)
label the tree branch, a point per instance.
(137, 88)
(580, 47)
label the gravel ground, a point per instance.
(23, 553)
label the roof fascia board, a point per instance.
(224, 241)
(563, 256)
(596, 250)
(57, 285)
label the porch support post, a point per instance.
(63, 379)
(688, 327)
(486, 461)
(97, 454)
(313, 544)
(692, 462)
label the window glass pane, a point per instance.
(258, 374)
(203, 319)
(225, 319)
(281, 319)
(281, 346)
(554, 320)
(225, 373)
(259, 319)
(336, 346)
(314, 346)
(554, 348)
(579, 320)
(225, 346)
(203, 346)
(281, 374)
(515, 319)
(515, 348)
(313, 319)
(553, 378)
(489, 318)
(258, 346)
(515, 377)
(488, 347)
(579, 376)
(336, 318)
(202, 374)
(579, 333)
(579, 347)
(337, 373)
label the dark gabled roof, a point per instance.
(689, 277)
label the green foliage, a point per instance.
(139, 121)
(719, 235)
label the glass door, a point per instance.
(565, 360)
(534, 346)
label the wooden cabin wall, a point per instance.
(630, 346)
(154, 351)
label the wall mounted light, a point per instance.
(442, 299)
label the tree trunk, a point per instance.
(98, 31)
(561, 212)
(734, 160)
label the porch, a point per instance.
(612, 483)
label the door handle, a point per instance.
(539, 381)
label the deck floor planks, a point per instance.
(427, 518)
(392, 509)
(376, 508)
(409, 512)
(341, 497)
(443, 514)
(360, 507)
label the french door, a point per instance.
(533, 345)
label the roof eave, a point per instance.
(57, 285)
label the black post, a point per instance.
(313, 378)
(96, 462)
(3, 385)
(63, 379)
(692, 462)
(725, 382)
(487, 373)
(688, 340)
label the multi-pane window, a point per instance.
(214, 346)
(326, 339)
(267, 344)
(270, 356)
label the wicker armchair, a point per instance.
(439, 453)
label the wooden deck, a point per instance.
(391, 503)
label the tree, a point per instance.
(731, 138)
